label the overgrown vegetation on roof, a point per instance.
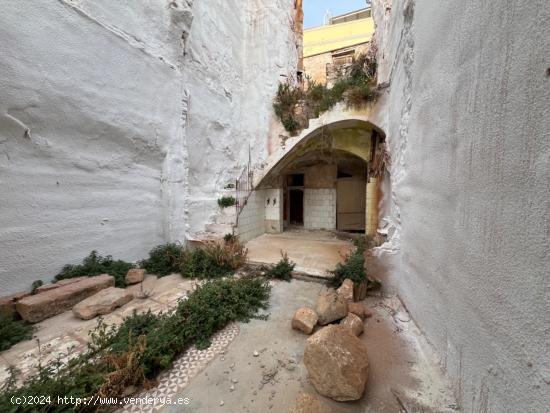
(354, 87)
(132, 354)
(354, 266)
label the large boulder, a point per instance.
(306, 403)
(134, 276)
(353, 323)
(101, 303)
(337, 363)
(38, 307)
(346, 290)
(304, 320)
(330, 307)
(359, 310)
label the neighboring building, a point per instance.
(329, 48)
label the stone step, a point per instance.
(102, 303)
(35, 308)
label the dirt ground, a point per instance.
(263, 371)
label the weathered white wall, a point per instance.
(238, 60)
(468, 126)
(120, 122)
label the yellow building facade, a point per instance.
(336, 43)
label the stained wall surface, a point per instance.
(468, 125)
(120, 122)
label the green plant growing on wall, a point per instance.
(226, 202)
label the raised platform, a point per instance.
(315, 252)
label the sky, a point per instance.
(314, 10)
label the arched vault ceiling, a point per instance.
(331, 143)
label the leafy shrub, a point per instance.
(229, 237)
(13, 331)
(95, 264)
(353, 268)
(226, 202)
(35, 285)
(353, 86)
(283, 269)
(133, 353)
(163, 260)
(212, 260)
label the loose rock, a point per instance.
(330, 307)
(360, 310)
(346, 290)
(337, 363)
(135, 275)
(353, 323)
(104, 302)
(306, 403)
(304, 320)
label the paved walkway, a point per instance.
(314, 252)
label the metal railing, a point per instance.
(243, 188)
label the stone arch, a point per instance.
(337, 141)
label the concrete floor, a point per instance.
(402, 374)
(314, 252)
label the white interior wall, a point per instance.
(468, 127)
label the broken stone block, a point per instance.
(337, 363)
(7, 304)
(60, 283)
(330, 307)
(359, 310)
(304, 320)
(353, 323)
(134, 276)
(306, 403)
(35, 308)
(101, 303)
(346, 290)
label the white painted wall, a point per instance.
(120, 122)
(468, 126)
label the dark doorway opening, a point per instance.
(296, 201)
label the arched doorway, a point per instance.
(325, 181)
